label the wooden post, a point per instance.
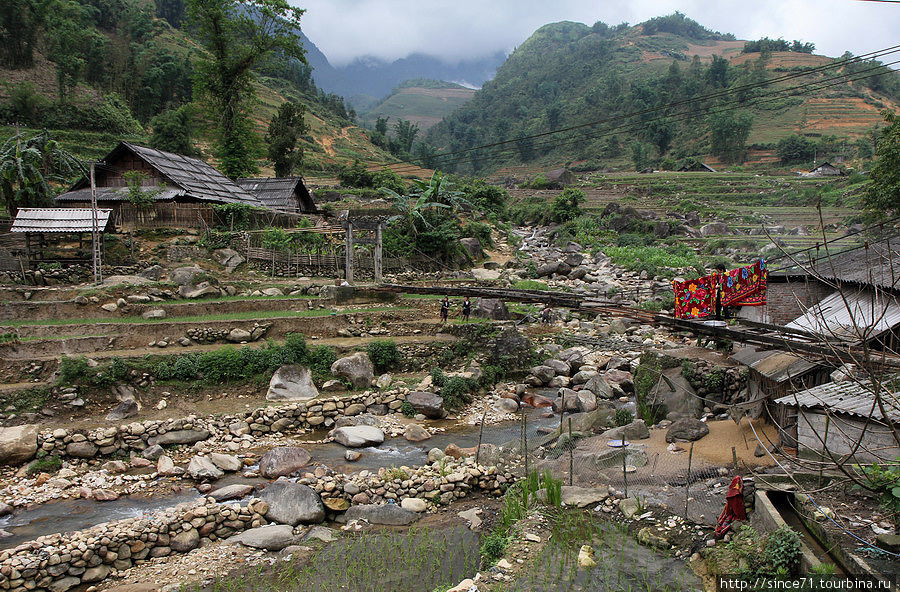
(571, 455)
(480, 434)
(624, 466)
(687, 487)
(348, 253)
(378, 253)
(734, 456)
(95, 232)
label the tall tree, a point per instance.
(20, 21)
(28, 166)
(406, 132)
(729, 131)
(883, 195)
(173, 131)
(239, 36)
(285, 130)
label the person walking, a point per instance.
(445, 309)
(466, 309)
(545, 315)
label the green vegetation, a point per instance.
(284, 131)
(769, 45)
(384, 354)
(26, 401)
(653, 260)
(28, 166)
(48, 464)
(530, 285)
(623, 417)
(749, 554)
(883, 195)
(884, 480)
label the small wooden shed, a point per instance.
(51, 233)
(826, 169)
(282, 194)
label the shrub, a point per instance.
(384, 354)
(320, 359)
(567, 205)
(493, 546)
(479, 230)
(782, 551)
(407, 409)
(457, 392)
(295, 348)
(623, 417)
(530, 285)
(185, 368)
(73, 370)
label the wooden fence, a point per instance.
(164, 215)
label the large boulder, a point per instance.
(202, 468)
(686, 429)
(544, 374)
(123, 410)
(185, 276)
(292, 383)
(228, 258)
(491, 308)
(83, 449)
(598, 385)
(715, 229)
(416, 433)
(201, 290)
(226, 462)
(428, 404)
(238, 335)
(560, 367)
(184, 541)
(388, 514)
(485, 274)
(472, 247)
(547, 269)
(283, 460)
(18, 444)
(230, 492)
(273, 537)
(636, 430)
(357, 368)
(292, 503)
(358, 436)
(676, 394)
(179, 437)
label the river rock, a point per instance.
(543, 374)
(184, 276)
(184, 541)
(226, 462)
(179, 437)
(428, 404)
(636, 430)
(18, 444)
(292, 383)
(283, 460)
(155, 313)
(583, 496)
(586, 401)
(357, 368)
(598, 385)
(202, 468)
(388, 514)
(228, 258)
(230, 492)
(83, 449)
(273, 537)
(414, 504)
(358, 436)
(675, 393)
(123, 410)
(63, 584)
(416, 433)
(686, 429)
(153, 452)
(165, 466)
(491, 308)
(238, 335)
(293, 503)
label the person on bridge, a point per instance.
(466, 309)
(445, 309)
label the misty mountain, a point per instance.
(373, 77)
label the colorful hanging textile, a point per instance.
(734, 507)
(745, 286)
(695, 299)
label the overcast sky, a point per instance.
(460, 29)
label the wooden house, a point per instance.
(826, 169)
(181, 190)
(696, 167)
(282, 194)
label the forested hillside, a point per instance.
(100, 70)
(569, 73)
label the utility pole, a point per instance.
(95, 232)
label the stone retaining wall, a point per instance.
(317, 414)
(59, 562)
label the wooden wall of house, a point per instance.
(114, 176)
(840, 433)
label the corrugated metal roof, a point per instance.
(877, 265)
(58, 220)
(781, 366)
(851, 317)
(119, 194)
(285, 194)
(848, 396)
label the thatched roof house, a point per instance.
(283, 194)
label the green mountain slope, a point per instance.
(569, 73)
(423, 102)
(96, 71)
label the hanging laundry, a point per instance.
(695, 299)
(745, 286)
(734, 507)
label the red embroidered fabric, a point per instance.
(695, 299)
(745, 286)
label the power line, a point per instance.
(709, 96)
(637, 126)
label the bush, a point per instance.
(407, 409)
(320, 359)
(567, 205)
(48, 464)
(493, 546)
(479, 230)
(185, 368)
(623, 417)
(73, 370)
(782, 551)
(384, 354)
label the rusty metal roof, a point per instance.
(853, 316)
(875, 264)
(58, 220)
(848, 396)
(781, 366)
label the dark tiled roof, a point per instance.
(58, 220)
(285, 194)
(198, 179)
(119, 194)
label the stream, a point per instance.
(79, 514)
